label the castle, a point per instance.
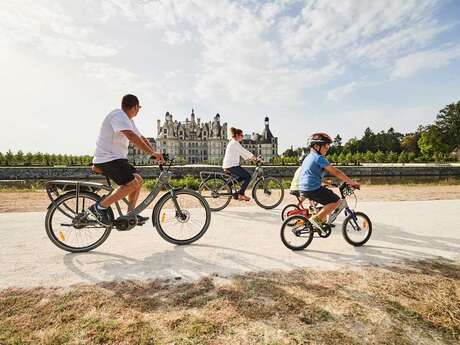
(202, 142)
(193, 140)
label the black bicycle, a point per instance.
(180, 216)
(219, 188)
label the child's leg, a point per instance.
(327, 198)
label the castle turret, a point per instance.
(158, 127)
(192, 116)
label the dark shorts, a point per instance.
(322, 195)
(118, 170)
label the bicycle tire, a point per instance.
(258, 184)
(286, 209)
(345, 232)
(288, 226)
(227, 189)
(157, 223)
(55, 207)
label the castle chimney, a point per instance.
(266, 122)
(158, 127)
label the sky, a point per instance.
(310, 65)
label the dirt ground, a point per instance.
(14, 201)
(415, 303)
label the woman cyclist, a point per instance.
(313, 171)
(231, 162)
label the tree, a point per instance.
(392, 157)
(2, 159)
(369, 157)
(19, 158)
(432, 141)
(38, 159)
(403, 157)
(289, 153)
(9, 158)
(379, 157)
(448, 124)
(28, 159)
(351, 145)
(336, 146)
(409, 143)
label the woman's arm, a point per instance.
(247, 155)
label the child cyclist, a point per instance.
(314, 168)
(231, 163)
(295, 182)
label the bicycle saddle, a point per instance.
(295, 193)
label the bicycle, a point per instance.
(180, 216)
(297, 232)
(219, 188)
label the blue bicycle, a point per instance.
(297, 232)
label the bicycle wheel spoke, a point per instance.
(185, 224)
(79, 234)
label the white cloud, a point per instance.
(46, 27)
(177, 38)
(430, 59)
(339, 92)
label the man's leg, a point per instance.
(119, 193)
(134, 196)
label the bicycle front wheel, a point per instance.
(268, 192)
(69, 226)
(217, 193)
(182, 217)
(357, 230)
(296, 232)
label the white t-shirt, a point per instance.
(233, 152)
(295, 183)
(111, 143)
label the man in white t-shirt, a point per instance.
(117, 130)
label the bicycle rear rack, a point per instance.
(56, 188)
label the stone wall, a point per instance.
(51, 173)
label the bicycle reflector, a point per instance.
(61, 236)
(163, 217)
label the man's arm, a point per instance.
(341, 176)
(140, 143)
(147, 142)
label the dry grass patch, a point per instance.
(414, 303)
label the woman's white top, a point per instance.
(233, 152)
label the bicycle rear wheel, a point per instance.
(297, 232)
(217, 193)
(268, 192)
(70, 228)
(182, 217)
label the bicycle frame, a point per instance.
(77, 186)
(258, 173)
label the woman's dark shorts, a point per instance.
(118, 170)
(321, 195)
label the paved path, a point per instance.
(239, 240)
